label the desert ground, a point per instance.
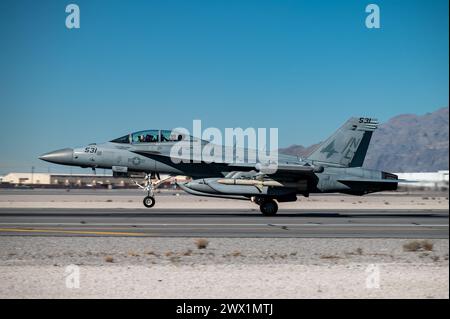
(115, 266)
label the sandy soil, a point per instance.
(36, 267)
(227, 281)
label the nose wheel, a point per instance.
(149, 201)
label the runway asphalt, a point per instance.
(224, 223)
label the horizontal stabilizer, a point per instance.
(367, 185)
(380, 180)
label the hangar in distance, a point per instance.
(335, 166)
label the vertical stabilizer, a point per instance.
(347, 147)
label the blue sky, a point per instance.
(301, 66)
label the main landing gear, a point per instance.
(267, 206)
(152, 182)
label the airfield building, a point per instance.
(71, 180)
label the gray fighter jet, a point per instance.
(335, 166)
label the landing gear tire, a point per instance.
(149, 201)
(269, 208)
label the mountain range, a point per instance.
(405, 143)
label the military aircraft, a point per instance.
(335, 166)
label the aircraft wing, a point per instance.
(289, 168)
(295, 169)
(283, 172)
(291, 172)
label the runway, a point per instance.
(224, 223)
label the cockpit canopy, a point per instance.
(151, 136)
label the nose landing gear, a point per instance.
(152, 182)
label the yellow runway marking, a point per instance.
(69, 232)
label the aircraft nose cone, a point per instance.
(64, 156)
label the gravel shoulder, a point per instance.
(92, 251)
